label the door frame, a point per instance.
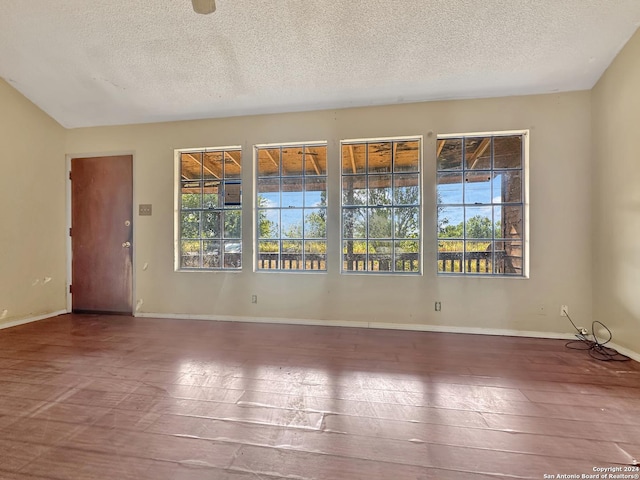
(114, 153)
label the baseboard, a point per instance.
(625, 351)
(375, 325)
(22, 321)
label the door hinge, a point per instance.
(70, 288)
(70, 229)
(69, 175)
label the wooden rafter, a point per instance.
(229, 156)
(440, 147)
(273, 159)
(353, 159)
(475, 156)
(313, 160)
(203, 165)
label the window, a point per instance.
(291, 206)
(480, 204)
(209, 227)
(381, 200)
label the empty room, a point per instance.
(319, 240)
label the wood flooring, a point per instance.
(111, 397)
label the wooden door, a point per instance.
(102, 234)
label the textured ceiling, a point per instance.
(110, 62)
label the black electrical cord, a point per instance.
(597, 349)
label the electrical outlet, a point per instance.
(254, 299)
(564, 310)
(438, 306)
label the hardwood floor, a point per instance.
(88, 397)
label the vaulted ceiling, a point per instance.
(89, 63)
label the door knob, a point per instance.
(126, 244)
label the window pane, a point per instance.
(292, 192)
(354, 159)
(478, 257)
(478, 153)
(450, 222)
(450, 256)
(315, 160)
(407, 156)
(508, 258)
(354, 190)
(233, 224)
(507, 187)
(190, 225)
(212, 166)
(291, 223)
(232, 254)
(315, 255)
(354, 255)
(191, 195)
(407, 256)
(477, 187)
(211, 225)
(380, 256)
(268, 255)
(379, 157)
(268, 162)
(190, 253)
(450, 154)
(211, 197)
(508, 221)
(354, 223)
(507, 152)
(292, 161)
(449, 188)
(211, 254)
(406, 190)
(379, 223)
(269, 223)
(380, 190)
(232, 164)
(315, 223)
(407, 222)
(315, 192)
(269, 192)
(291, 256)
(479, 222)
(191, 166)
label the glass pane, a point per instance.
(406, 156)
(211, 223)
(507, 187)
(449, 188)
(268, 255)
(268, 192)
(211, 197)
(211, 254)
(450, 222)
(354, 158)
(315, 223)
(478, 257)
(508, 258)
(315, 255)
(268, 223)
(291, 223)
(406, 190)
(354, 256)
(379, 159)
(315, 160)
(232, 254)
(190, 225)
(407, 222)
(354, 223)
(354, 190)
(508, 221)
(191, 196)
(478, 153)
(233, 224)
(478, 222)
(450, 256)
(380, 190)
(380, 223)
(315, 189)
(449, 154)
(380, 256)
(477, 187)
(190, 253)
(232, 164)
(291, 256)
(212, 166)
(292, 192)
(407, 256)
(507, 152)
(191, 166)
(292, 161)
(268, 162)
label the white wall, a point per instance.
(560, 195)
(32, 210)
(616, 199)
